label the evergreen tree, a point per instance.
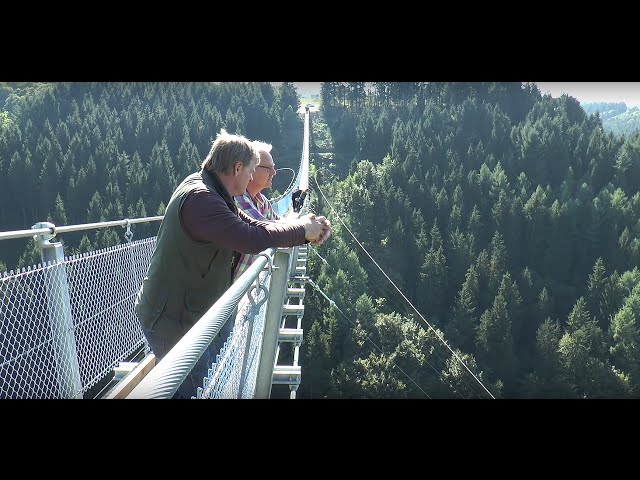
(625, 328)
(59, 217)
(461, 329)
(495, 343)
(31, 255)
(595, 294)
(547, 381)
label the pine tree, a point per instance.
(595, 294)
(461, 328)
(59, 216)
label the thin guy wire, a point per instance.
(395, 365)
(403, 308)
(399, 291)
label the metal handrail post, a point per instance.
(277, 289)
(59, 303)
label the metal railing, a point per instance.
(67, 323)
(244, 366)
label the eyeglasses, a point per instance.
(270, 167)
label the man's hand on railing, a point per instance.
(326, 233)
(317, 228)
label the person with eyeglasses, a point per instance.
(199, 242)
(255, 204)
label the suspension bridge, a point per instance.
(68, 327)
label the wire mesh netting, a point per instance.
(65, 326)
(234, 373)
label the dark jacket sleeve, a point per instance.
(206, 217)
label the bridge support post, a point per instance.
(277, 291)
(59, 305)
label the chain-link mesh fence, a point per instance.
(234, 373)
(65, 326)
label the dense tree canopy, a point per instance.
(508, 220)
(505, 217)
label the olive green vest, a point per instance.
(185, 277)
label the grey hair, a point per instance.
(262, 146)
(226, 150)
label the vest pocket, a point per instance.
(208, 266)
(197, 302)
(149, 314)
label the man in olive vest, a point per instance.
(199, 240)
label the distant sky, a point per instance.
(307, 87)
(584, 92)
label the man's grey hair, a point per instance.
(226, 150)
(262, 146)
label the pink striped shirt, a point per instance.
(258, 208)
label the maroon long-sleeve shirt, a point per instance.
(206, 216)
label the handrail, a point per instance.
(186, 353)
(75, 228)
(167, 376)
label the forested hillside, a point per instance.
(74, 153)
(509, 219)
(616, 117)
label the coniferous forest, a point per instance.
(73, 153)
(616, 117)
(508, 219)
